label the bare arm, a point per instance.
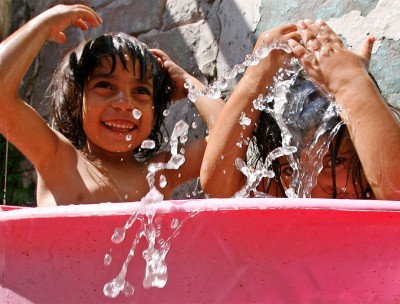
(219, 176)
(374, 130)
(208, 108)
(20, 123)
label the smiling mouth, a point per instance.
(120, 127)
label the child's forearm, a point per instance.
(17, 53)
(375, 133)
(219, 176)
(208, 108)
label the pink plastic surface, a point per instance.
(234, 251)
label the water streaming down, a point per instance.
(156, 268)
(307, 117)
(306, 134)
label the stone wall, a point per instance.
(207, 37)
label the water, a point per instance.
(148, 144)
(158, 246)
(136, 114)
(305, 138)
(308, 120)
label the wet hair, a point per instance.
(267, 137)
(65, 92)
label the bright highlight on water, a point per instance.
(305, 140)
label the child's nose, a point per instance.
(123, 101)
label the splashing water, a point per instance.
(305, 139)
(148, 144)
(307, 117)
(157, 249)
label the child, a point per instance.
(108, 96)
(371, 132)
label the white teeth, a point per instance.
(118, 125)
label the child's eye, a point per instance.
(142, 91)
(103, 85)
(287, 170)
(338, 161)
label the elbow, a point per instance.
(387, 187)
(219, 182)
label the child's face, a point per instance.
(108, 104)
(323, 189)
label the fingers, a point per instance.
(318, 35)
(281, 33)
(59, 38)
(330, 33)
(87, 14)
(298, 49)
(366, 48)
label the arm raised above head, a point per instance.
(219, 176)
(19, 122)
(373, 128)
(208, 108)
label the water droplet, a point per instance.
(128, 289)
(148, 144)
(163, 181)
(194, 125)
(166, 112)
(174, 223)
(183, 139)
(136, 114)
(128, 137)
(222, 157)
(244, 120)
(107, 259)
(118, 236)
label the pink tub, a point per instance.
(234, 251)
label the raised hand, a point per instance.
(325, 57)
(59, 17)
(178, 75)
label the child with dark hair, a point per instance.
(363, 158)
(107, 98)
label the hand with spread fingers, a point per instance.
(325, 57)
(374, 130)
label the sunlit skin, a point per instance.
(373, 129)
(108, 104)
(105, 169)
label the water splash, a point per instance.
(214, 90)
(148, 144)
(307, 117)
(308, 120)
(156, 274)
(136, 114)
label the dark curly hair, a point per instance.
(267, 137)
(65, 92)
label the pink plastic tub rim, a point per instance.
(233, 251)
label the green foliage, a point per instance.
(17, 193)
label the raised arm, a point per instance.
(373, 128)
(219, 176)
(208, 108)
(20, 123)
